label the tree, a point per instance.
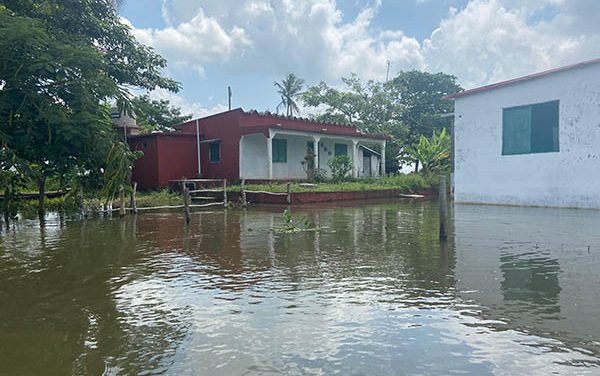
(62, 62)
(156, 115)
(372, 107)
(289, 89)
(406, 107)
(433, 153)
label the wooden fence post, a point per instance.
(122, 210)
(133, 203)
(186, 203)
(225, 192)
(289, 193)
(443, 206)
(243, 192)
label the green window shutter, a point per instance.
(214, 152)
(279, 150)
(516, 130)
(530, 129)
(544, 127)
(341, 149)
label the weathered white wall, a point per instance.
(296, 151)
(569, 178)
(253, 157)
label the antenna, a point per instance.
(229, 95)
(387, 70)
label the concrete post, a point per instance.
(355, 159)
(270, 155)
(382, 164)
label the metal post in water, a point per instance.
(443, 206)
(289, 193)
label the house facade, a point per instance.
(238, 145)
(531, 141)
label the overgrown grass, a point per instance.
(160, 198)
(410, 183)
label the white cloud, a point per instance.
(187, 107)
(488, 40)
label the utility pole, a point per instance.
(387, 70)
(229, 95)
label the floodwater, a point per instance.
(513, 291)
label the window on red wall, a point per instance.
(214, 155)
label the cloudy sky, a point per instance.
(249, 44)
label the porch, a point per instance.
(282, 155)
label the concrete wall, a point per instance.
(253, 159)
(296, 151)
(569, 178)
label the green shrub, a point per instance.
(340, 166)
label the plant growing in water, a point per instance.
(291, 226)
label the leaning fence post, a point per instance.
(289, 193)
(225, 192)
(443, 206)
(133, 203)
(243, 192)
(186, 203)
(121, 201)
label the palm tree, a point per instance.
(289, 89)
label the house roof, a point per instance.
(323, 129)
(518, 80)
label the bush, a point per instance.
(340, 166)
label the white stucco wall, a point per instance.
(253, 157)
(296, 151)
(568, 178)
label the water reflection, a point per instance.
(371, 292)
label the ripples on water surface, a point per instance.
(514, 291)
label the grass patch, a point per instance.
(409, 183)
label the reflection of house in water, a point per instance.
(525, 266)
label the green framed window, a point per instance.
(279, 150)
(530, 129)
(340, 149)
(214, 155)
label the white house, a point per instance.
(532, 141)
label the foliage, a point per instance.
(292, 226)
(289, 89)
(160, 198)
(340, 166)
(433, 153)
(156, 115)
(119, 165)
(404, 108)
(62, 62)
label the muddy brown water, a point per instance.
(513, 291)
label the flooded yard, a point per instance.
(514, 290)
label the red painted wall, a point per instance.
(223, 126)
(145, 170)
(177, 158)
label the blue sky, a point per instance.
(249, 44)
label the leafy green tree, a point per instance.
(62, 61)
(289, 89)
(156, 115)
(406, 107)
(433, 153)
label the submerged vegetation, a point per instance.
(292, 225)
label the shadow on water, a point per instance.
(371, 292)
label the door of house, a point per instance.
(366, 164)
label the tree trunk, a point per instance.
(42, 196)
(416, 166)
